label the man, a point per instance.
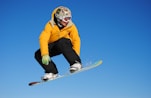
(60, 36)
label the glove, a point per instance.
(45, 59)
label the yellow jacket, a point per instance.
(52, 33)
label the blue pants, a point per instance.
(61, 46)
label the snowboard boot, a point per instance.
(49, 76)
(75, 67)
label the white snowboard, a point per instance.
(96, 64)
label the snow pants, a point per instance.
(61, 46)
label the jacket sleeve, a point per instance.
(75, 39)
(44, 38)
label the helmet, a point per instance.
(63, 14)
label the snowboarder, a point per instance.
(60, 36)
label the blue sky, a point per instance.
(116, 31)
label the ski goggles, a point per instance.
(66, 19)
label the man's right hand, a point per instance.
(46, 59)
